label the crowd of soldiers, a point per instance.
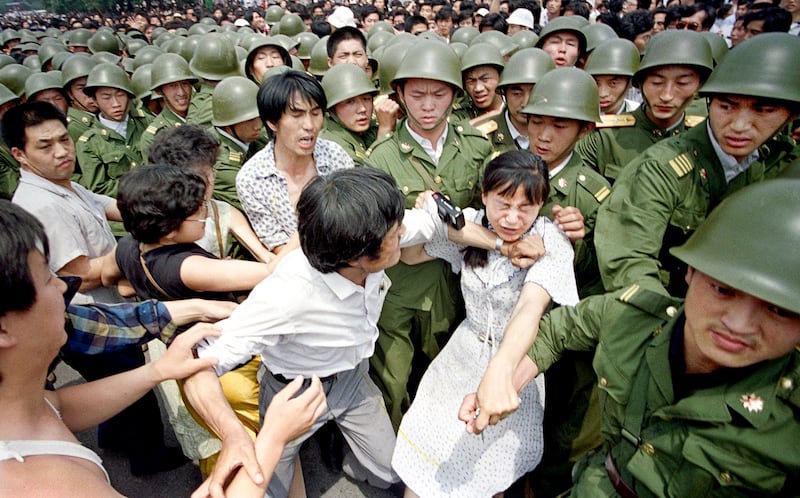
(648, 117)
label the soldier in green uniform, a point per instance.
(349, 121)
(674, 66)
(612, 65)
(700, 397)
(171, 78)
(148, 102)
(46, 87)
(82, 109)
(666, 193)
(214, 60)
(481, 66)
(110, 147)
(508, 129)
(9, 167)
(236, 126)
(424, 152)
(564, 40)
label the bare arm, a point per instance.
(89, 269)
(241, 229)
(110, 273)
(86, 405)
(112, 212)
(221, 275)
(188, 311)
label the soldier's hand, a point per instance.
(570, 220)
(387, 112)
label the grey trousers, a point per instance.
(356, 405)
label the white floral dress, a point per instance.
(434, 455)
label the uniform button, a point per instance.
(648, 449)
(671, 310)
(127, 146)
(657, 332)
(459, 129)
(133, 165)
(787, 383)
(438, 179)
(725, 477)
(603, 381)
(405, 189)
(582, 178)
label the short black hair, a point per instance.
(156, 199)
(320, 27)
(776, 19)
(189, 146)
(494, 22)
(23, 116)
(412, 21)
(635, 23)
(20, 233)
(276, 97)
(347, 214)
(342, 34)
(579, 8)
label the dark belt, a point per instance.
(283, 380)
(619, 484)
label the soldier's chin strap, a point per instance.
(444, 118)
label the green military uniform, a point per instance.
(229, 161)
(200, 108)
(694, 437)
(355, 144)
(78, 122)
(424, 303)
(620, 138)
(464, 109)
(494, 126)
(657, 202)
(9, 172)
(165, 119)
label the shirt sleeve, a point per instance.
(440, 246)
(554, 271)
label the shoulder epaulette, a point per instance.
(486, 128)
(83, 138)
(139, 113)
(647, 300)
(616, 121)
(693, 120)
(383, 138)
(682, 164)
(464, 128)
(594, 183)
(151, 130)
(235, 156)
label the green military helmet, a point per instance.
(163, 39)
(319, 58)
(597, 33)
(79, 37)
(181, 32)
(570, 24)
(527, 66)
(345, 81)
(107, 75)
(306, 41)
(141, 80)
(199, 29)
(291, 24)
(28, 47)
(287, 42)
(105, 41)
(297, 64)
(617, 57)
(58, 60)
(7, 95)
(234, 101)
(245, 30)
(38, 82)
(14, 76)
(763, 263)
(676, 48)
(214, 58)
(273, 14)
(459, 48)
(157, 32)
(25, 36)
(380, 27)
(77, 66)
(274, 71)
(379, 39)
(181, 46)
(170, 68)
(234, 36)
(565, 92)
(127, 65)
(106, 57)
(389, 62)
(5, 60)
(718, 46)
(32, 63)
(464, 35)
(482, 54)
(525, 38)
(765, 66)
(146, 56)
(134, 45)
(9, 35)
(241, 56)
(791, 172)
(505, 44)
(431, 60)
(262, 42)
(48, 50)
(403, 37)
(275, 29)
(431, 35)
(210, 21)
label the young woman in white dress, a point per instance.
(434, 455)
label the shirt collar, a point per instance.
(233, 139)
(120, 127)
(43, 183)
(427, 145)
(730, 165)
(555, 171)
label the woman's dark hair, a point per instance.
(277, 94)
(155, 199)
(504, 175)
(20, 233)
(189, 146)
(347, 214)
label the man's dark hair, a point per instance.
(156, 199)
(321, 27)
(347, 214)
(494, 21)
(23, 116)
(189, 146)
(776, 19)
(342, 34)
(278, 97)
(690, 10)
(367, 10)
(20, 233)
(578, 8)
(445, 13)
(610, 20)
(412, 21)
(635, 23)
